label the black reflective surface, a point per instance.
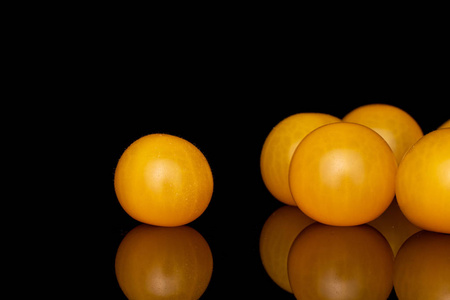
(231, 134)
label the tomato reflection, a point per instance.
(327, 262)
(163, 263)
(422, 267)
(277, 236)
(394, 226)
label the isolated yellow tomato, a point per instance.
(445, 125)
(396, 126)
(163, 263)
(423, 182)
(422, 267)
(277, 236)
(163, 180)
(394, 226)
(343, 174)
(328, 262)
(279, 146)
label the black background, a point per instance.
(224, 94)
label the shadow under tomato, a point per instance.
(422, 267)
(163, 263)
(278, 234)
(328, 262)
(394, 226)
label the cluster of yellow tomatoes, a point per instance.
(340, 172)
(347, 172)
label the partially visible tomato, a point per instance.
(422, 267)
(277, 236)
(163, 263)
(279, 146)
(343, 174)
(328, 262)
(395, 125)
(163, 180)
(423, 182)
(445, 125)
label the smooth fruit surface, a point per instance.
(395, 125)
(343, 174)
(163, 180)
(328, 262)
(163, 263)
(445, 125)
(423, 182)
(279, 146)
(422, 267)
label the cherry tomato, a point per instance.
(163, 180)
(396, 126)
(423, 182)
(328, 262)
(279, 146)
(445, 125)
(163, 263)
(422, 267)
(277, 236)
(343, 174)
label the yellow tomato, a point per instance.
(396, 126)
(163, 180)
(445, 125)
(279, 146)
(277, 236)
(423, 182)
(327, 262)
(163, 263)
(393, 225)
(343, 174)
(422, 267)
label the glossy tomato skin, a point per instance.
(423, 182)
(330, 262)
(279, 147)
(163, 180)
(163, 263)
(445, 125)
(422, 267)
(343, 174)
(394, 125)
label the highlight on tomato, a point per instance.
(343, 174)
(423, 182)
(278, 234)
(422, 267)
(329, 262)
(163, 180)
(163, 263)
(279, 146)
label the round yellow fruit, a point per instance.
(279, 146)
(163, 180)
(343, 174)
(396, 126)
(423, 182)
